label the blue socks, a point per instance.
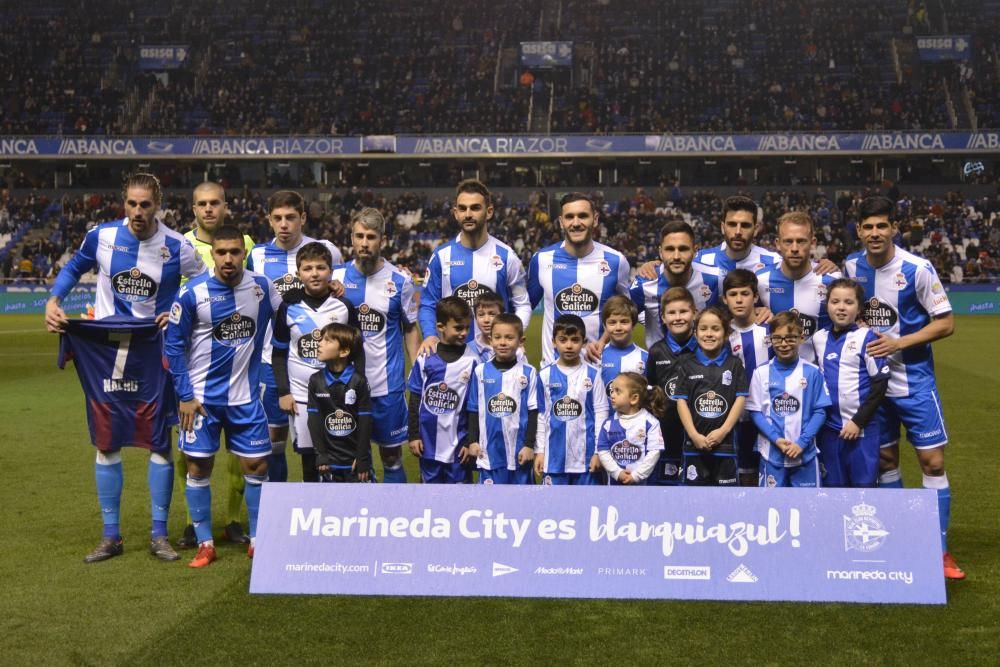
(161, 490)
(252, 495)
(198, 492)
(108, 474)
(940, 484)
(277, 468)
(394, 474)
(890, 479)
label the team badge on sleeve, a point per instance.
(175, 313)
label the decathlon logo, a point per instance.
(687, 572)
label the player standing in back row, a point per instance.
(908, 309)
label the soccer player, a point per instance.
(788, 402)
(572, 405)
(387, 315)
(663, 365)
(286, 212)
(676, 270)
(339, 408)
(711, 390)
(577, 275)
(793, 285)
(629, 442)
(439, 391)
(742, 219)
(503, 409)
(751, 343)
(208, 201)
(471, 265)
(857, 384)
(216, 331)
(140, 264)
(297, 332)
(908, 309)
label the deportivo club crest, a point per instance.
(863, 532)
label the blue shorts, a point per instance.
(747, 456)
(921, 415)
(569, 479)
(436, 472)
(245, 427)
(389, 419)
(848, 463)
(803, 476)
(276, 418)
(523, 475)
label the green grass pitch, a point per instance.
(134, 610)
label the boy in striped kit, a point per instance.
(503, 409)
(857, 382)
(572, 405)
(214, 337)
(751, 343)
(439, 393)
(788, 401)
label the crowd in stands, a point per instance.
(960, 236)
(384, 67)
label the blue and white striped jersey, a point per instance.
(502, 399)
(459, 271)
(806, 297)
(278, 266)
(903, 297)
(628, 439)
(847, 370)
(758, 258)
(444, 393)
(572, 404)
(704, 285)
(298, 327)
(386, 304)
(788, 398)
(752, 345)
(575, 286)
(615, 360)
(214, 338)
(135, 278)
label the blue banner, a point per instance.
(163, 57)
(320, 147)
(846, 545)
(546, 55)
(936, 48)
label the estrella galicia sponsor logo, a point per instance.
(235, 330)
(371, 321)
(688, 572)
(397, 568)
(133, 285)
(308, 347)
(501, 405)
(567, 409)
(785, 404)
(576, 300)
(472, 291)
(287, 283)
(625, 453)
(340, 423)
(454, 569)
(808, 323)
(711, 405)
(670, 387)
(879, 315)
(559, 571)
(863, 531)
(440, 399)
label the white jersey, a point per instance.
(386, 305)
(571, 285)
(298, 327)
(704, 286)
(502, 400)
(278, 265)
(806, 297)
(757, 259)
(572, 404)
(214, 336)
